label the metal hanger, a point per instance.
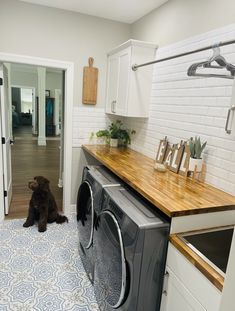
(221, 63)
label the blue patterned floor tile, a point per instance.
(42, 271)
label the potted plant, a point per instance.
(196, 148)
(102, 137)
(116, 134)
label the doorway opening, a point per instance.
(23, 108)
(58, 135)
(28, 158)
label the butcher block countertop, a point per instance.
(173, 194)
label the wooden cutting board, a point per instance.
(90, 79)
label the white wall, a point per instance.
(54, 80)
(63, 35)
(24, 78)
(180, 19)
(19, 78)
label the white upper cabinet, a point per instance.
(128, 91)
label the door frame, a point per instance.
(68, 67)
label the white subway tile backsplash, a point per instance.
(182, 107)
(85, 121)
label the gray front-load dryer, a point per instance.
(130, 245)
(95, 179)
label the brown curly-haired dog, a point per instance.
(42, 206)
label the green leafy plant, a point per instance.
(125, 136)
(102, 133)
(116, 130)
(196, 147)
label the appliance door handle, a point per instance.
(228, 131)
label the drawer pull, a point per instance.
(165, 284)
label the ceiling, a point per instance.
(127, 11)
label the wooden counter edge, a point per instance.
(210, 273)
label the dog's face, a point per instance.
(39, 183)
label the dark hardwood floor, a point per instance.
(29, 160)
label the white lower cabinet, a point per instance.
(177, 297)
(185, 287)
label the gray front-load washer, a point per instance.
(130, 245)
(95, 179)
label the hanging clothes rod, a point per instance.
(135, 66)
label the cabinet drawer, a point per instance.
(199, 286)
(177, 297)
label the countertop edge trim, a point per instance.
(216, 279)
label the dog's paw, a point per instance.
(42, 229)
(27, 224)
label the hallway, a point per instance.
(29, 160)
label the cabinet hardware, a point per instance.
(228, 131)
(165, 283)
(113, 106)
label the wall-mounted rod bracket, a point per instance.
(134, 67)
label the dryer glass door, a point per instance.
(85, 214)
(110, 266)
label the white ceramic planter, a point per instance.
(113, 142)
(195, 162)
(100, 140)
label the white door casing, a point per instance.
(57, 111)
(6, 138)
(2, 211)
(68, 67)
(41, 106)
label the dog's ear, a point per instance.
(46, 180)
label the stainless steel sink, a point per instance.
(212, 245)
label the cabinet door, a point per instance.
(112, 83)
(176, 297)
(123, 82)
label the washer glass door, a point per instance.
(110, 265)
(85, 214)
